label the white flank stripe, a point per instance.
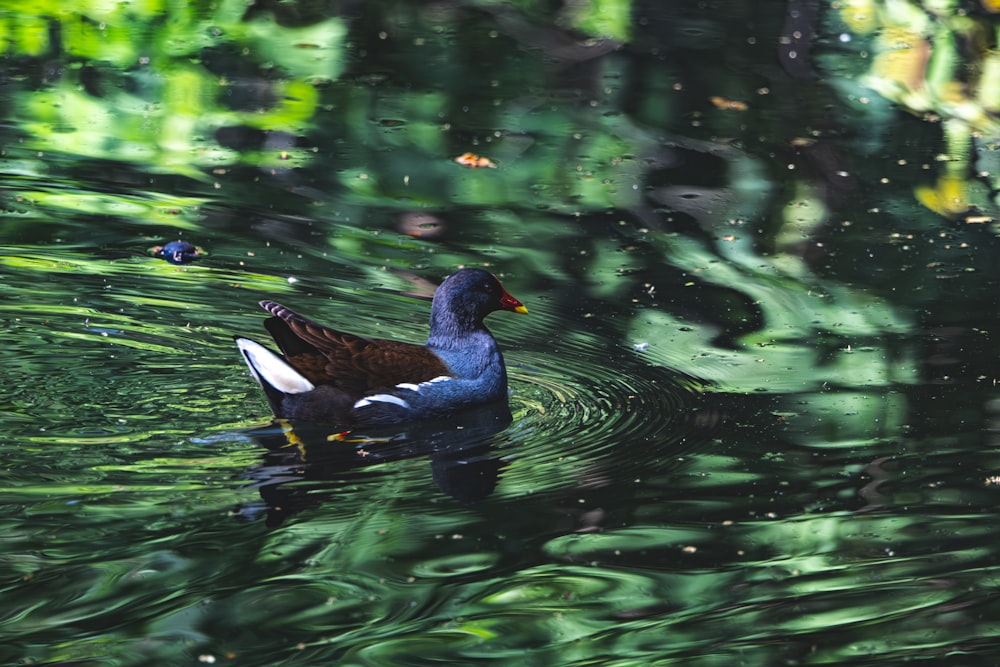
(408, 385)
(381, 398)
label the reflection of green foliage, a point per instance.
(597, 18)
(941, 65)
(135, 86)
(27, 34)
(630, 525)
(602, 18)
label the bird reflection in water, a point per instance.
(460, 448)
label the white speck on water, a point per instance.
(640, 347)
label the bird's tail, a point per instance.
(273, 373)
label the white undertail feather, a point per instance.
(268, 367)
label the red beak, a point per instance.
(507, 302)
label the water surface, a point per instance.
(753, 409)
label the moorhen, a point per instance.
(325, 375)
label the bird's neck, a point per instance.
(450, 329)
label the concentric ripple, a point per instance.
(584, 404)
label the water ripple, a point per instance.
(572, 408)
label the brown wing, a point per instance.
(352, 363)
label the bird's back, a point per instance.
(354, 364)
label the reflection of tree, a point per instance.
(151, 86)
(941, 63)
(680, 202)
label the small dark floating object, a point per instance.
(178, 252)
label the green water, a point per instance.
(753, 415)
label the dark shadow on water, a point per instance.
(463, 464)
